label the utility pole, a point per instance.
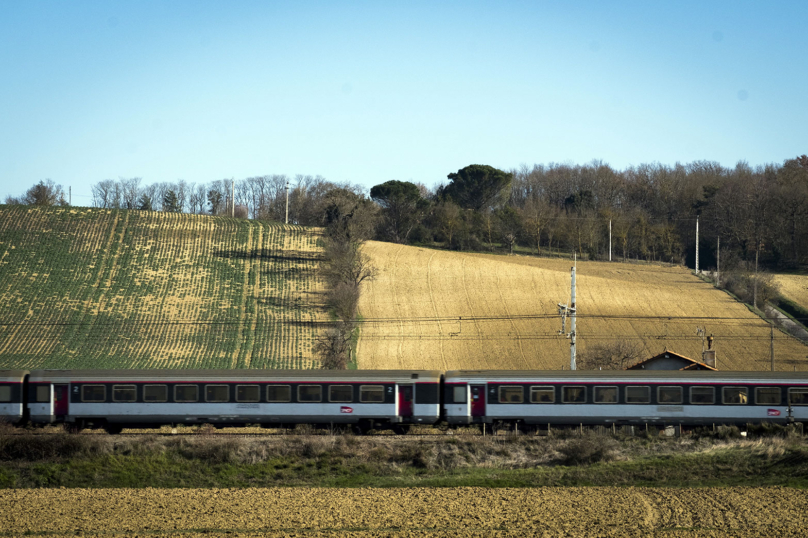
(718, 264)
(565, 310)
(697, 244)
(233, 197)
(572, 322)
(610, 239)
(287, 201)
(70, 195)
(754, 293)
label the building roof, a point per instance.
(686, 362)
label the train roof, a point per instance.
(14, 376)
(323, 376)
(624, 375)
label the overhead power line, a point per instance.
(391, 320)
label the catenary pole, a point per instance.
(572, 319)
(287, 201)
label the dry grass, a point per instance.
(794, 287)
(509, 305)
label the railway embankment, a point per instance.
(565, 458)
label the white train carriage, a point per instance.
(624, 397)
(12, 400)
(117, 398)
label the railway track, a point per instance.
(264, 435)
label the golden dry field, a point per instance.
(508, 306)
(794, 287)
(94, 288)
(442, 512)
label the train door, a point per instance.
(61, 395)
(477, 400)
(405, 400)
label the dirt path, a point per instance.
(792, 327)
(641, 512)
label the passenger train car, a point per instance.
(12, 399)
(118, 398)
(365, 399)
(624, 397)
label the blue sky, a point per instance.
(371, 91)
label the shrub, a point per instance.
(588, 449)
(742, 285)
(51, 447)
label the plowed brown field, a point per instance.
(508, 306)
(407, 512)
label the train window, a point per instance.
(573, 394)
(460, 394)
(768, 396)
(279, 393)
(340, 393)
(371, 393)
(5, 393)
(217, 393)
(735, 395)
(542, 395)
(798, 396)
(93, 393)
(669, 395)
(248, 393)
(702, 395)
(124, 393)
(309, 393)
(605, 394)
(186, 393)
(43, 393)
(638, 395)
(511, 394)
(155, 393)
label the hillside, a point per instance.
(794, 288)
(92, 288)
(510, 314)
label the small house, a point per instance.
(668, 360)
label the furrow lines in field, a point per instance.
(399, 354)
(253, 299)
(435, 308)
(508, 314)
(469, 302)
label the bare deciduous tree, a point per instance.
(334, 347)
(130, 192)
(617, 355)
(196, 200)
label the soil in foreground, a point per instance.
(435, 512)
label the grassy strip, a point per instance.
(346, 461)
(793, 310)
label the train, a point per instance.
(398, 399)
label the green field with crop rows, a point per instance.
(95, 288)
